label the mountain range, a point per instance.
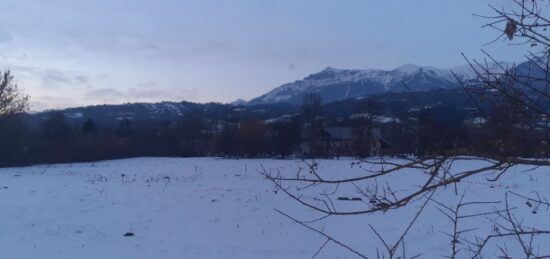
(334, 84)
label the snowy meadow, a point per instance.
(221, 208)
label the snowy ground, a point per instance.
(215, 208)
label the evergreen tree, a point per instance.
(89, 126)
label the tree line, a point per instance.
(411, 130)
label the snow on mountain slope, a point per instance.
(167, 107)
(337, 84)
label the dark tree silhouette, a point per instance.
(89, 126)
(124, 128)
(13, 131)
(311, 106)
(12, 99)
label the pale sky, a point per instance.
(68, 53)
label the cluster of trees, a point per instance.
(414, 129)
(13, 102)
(56, 139)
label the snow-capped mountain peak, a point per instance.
(337, 84)
(408, 68)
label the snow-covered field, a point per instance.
(219, 208)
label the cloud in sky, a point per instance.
(107, 95)
(52, 79)
(5, 37)
(67, 53)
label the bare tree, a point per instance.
(311, 106)
(521, 92)
(12, 99)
